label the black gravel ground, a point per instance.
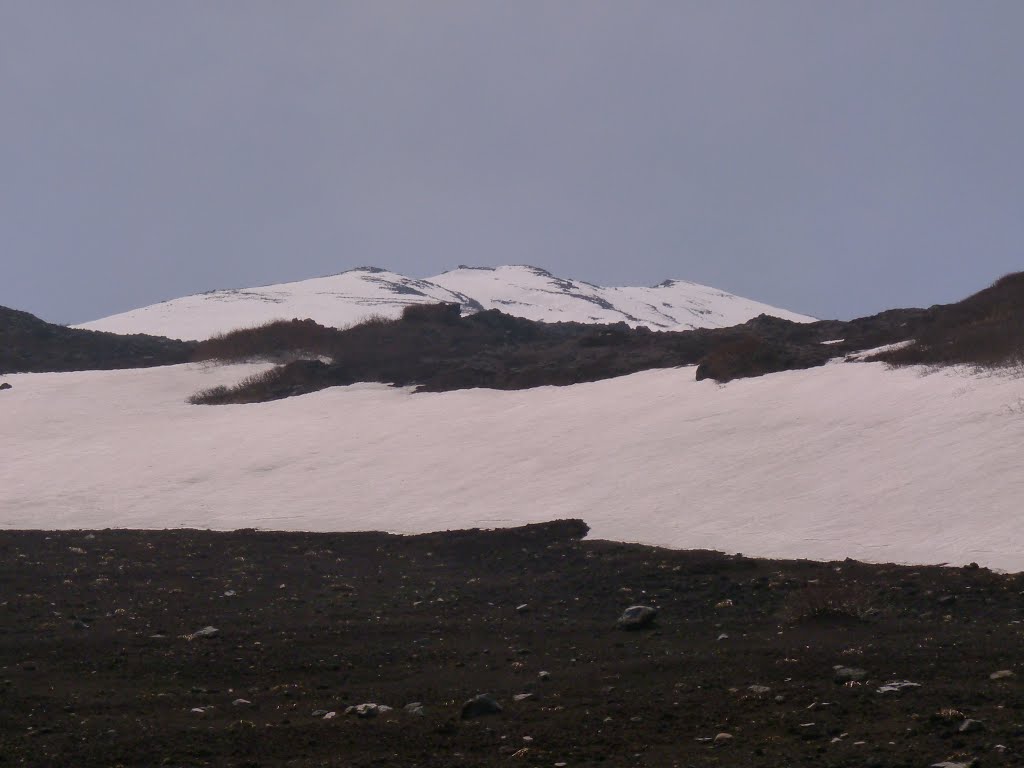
(97, 667)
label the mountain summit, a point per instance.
(523, 291)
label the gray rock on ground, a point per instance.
(368, 709)
(637, 617)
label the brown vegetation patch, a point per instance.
(985, 329)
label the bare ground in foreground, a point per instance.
(97, 669)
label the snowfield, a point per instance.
(848, 460)
(353, 296)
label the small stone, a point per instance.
(229, 593)
(241, 703)
(319, 712)
(759, 689)
(330, 715)
(524, 608)
(205, 633)
(637, 617)
(722, 738)
(4, 386)
(723, 636)
(1002, 674)
(845, 674)
(896, 686)
(198, 710)
(970, 726)
(951, 764)
(780, 699)
(480, 705)
(544, 675)
(415, 708)
(727, 603)
(524, 697)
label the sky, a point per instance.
(834, 159)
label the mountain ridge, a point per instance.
(534, 293)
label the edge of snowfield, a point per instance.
(847, 460)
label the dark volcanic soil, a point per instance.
(96, 668)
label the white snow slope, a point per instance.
(844, 460)
(352, 296)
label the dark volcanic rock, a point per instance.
(31, 345)
(480, 705)
(637, 617)
(433, 348)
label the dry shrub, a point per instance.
(985, 330)
(749, 355)
(445, 312)
(294, 378)
(276, 340)
(830, 601)
(373, 321)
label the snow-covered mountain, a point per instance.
(349, 297)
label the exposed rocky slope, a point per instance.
(31, 345)
(433, 347)
(985, 329)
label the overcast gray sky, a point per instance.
(834, 158)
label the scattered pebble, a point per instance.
(1001, 674)
(895, 686)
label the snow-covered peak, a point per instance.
(336, 300)
(524, 291)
